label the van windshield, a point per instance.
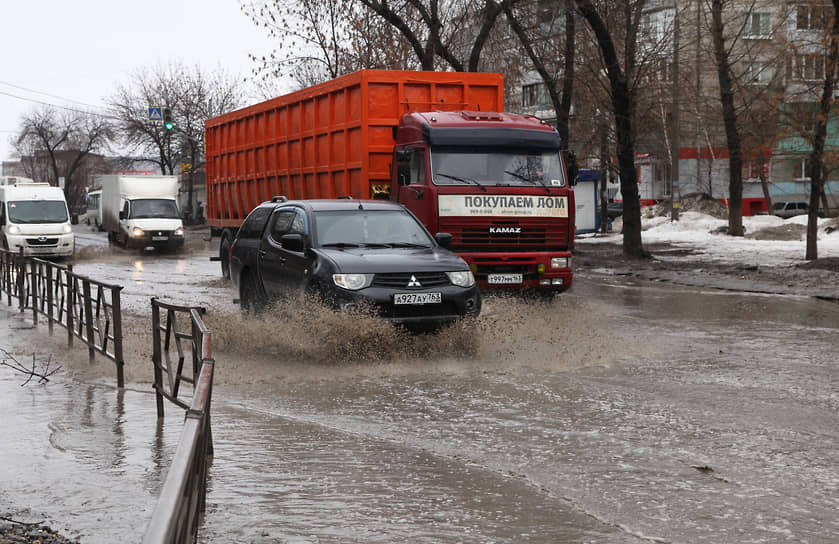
(154, 207)
(37, 211)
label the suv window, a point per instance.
(255, 223)
(288, 221)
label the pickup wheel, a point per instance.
(251, 299)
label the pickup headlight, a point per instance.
(137, 232)
(14, 229)
(353, 282)
(179, 231)
(67, 229)
(461, 278)
(560, 262)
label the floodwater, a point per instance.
(618, 413)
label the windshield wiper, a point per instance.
(527, 179)
(462, 180)
(408, 244)
(340, 245)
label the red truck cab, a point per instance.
(497, 183)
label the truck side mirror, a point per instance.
(121, 215)
(403, 155)
(571, 167)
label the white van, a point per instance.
(34, 217)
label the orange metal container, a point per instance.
(330, 140)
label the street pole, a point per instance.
(674, 140)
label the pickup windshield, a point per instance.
(496, 167)
(369, 228)
(37, 211)
(154, 207)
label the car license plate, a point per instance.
(159, 238)
(505, 278)
(417, 298)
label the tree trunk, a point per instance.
(729, 113)
(817, 156)
(622, 104)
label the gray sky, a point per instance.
(75, 53)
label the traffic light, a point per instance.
(168, 122)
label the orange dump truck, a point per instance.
(436, 142)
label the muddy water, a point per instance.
(616, 413)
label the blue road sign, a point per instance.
(155, 114)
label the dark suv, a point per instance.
(351, 253)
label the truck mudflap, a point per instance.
(548, 271)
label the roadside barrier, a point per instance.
(89, 310)
(183, 499)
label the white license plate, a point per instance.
(159, 238)
(417, 298)
(505, 278)
(36, 249)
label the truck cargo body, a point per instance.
(141, 211)
(34, 218)
(380, 134)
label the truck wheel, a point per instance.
(251, 299)
(224, 254)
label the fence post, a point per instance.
(21, 278)
(157, 357)
(88, 312)
(50, 268)
(116, 308)
(33, 287)
(70, 296)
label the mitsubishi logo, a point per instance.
(413, 282)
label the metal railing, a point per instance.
(183, 499)
(89, 310)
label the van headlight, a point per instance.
(461, 278)
(353, 282)
(179, 231)
(137, 232)
(67, 229)
(14, 229)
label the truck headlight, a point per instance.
(461, 278)
(353, 282)
(137, 232)
(67, 229)
(14, 229)
(560, 262)
(179, 231)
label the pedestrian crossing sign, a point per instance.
(155, 114)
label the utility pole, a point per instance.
(674, 117)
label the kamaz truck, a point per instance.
(436, 142)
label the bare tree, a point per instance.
(622, 106)
(57, 143)
(192, 96)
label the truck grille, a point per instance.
(507, 235)
(42, 241)
(403, 279)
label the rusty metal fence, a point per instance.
(180, 334)
(89, 310)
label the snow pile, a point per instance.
(770, 240)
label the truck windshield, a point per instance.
(359, 228)
(37, 211)
(496, 167)
(154, 207)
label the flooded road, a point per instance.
(618, 413)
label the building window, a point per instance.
(802, 170)
(808, 67)
(810, 17)
(535, 94)
(758, 73)
(757, 25)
